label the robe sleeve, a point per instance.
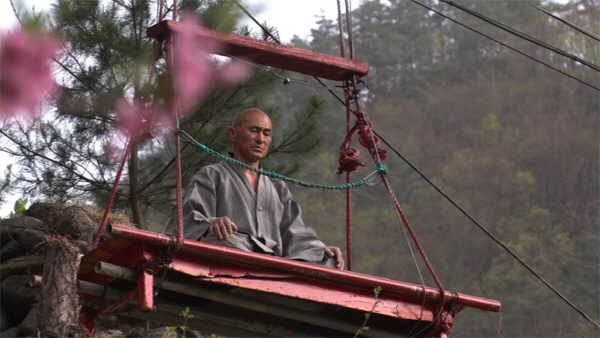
(200, 204)
(299, 241)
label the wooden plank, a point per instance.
(146, 291)
(271, 54)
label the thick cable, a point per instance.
(113, 193)
(489, 234)
(349, 24)
(522, 35)
(161, 14)
(348, 127)
(365, 181)
(572, 25)
(341, 30)
(414, 258)
(175, 10)
(505, 45)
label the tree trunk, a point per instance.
(59, 314)
(135, 198)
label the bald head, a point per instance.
(244, 115)
(251, 136)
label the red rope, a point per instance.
(415, 239)
(113, 194)
(349, 160)
(349, 191)
(126, 298)
(179, 188)
(367, 138)
(179, 185)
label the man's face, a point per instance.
(252, 137)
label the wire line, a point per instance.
(522, 35)
(505, 45)
(572, 25)
(487, 232)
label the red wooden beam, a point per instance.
(271, 54)
(340, 277)
(145, 291)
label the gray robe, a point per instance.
(268, 220)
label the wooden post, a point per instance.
(59, 314)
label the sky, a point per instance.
(291, 17)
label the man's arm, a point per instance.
(301, 241)
(222, 227)
(200, 205)
(334, 251)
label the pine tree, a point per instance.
(110, 59)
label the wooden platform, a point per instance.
(236, 293)
(271, 54)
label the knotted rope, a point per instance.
(349, 160)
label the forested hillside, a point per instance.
(513, 142)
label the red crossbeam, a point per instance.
(356, 280)
(272, 54)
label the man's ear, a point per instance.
(231, 134)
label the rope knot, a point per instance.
(349, 160)
(381, 168)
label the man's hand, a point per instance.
(222, 228)
(334, 251)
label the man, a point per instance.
(237, 207)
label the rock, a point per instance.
(106, 321)
(32, 240)
(17, 297)
(11, 250)
(48, 212)
(196, 334)
(12, 332)
(10, 229)
(76, 223)
(4, 321)
(28, 326)
(135, 332)
(21, 265)
(84, 247)
(109, 334)
(161, 332)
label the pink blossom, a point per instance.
(195, 73)
(233, 73)
(136, 119)
(25, 72)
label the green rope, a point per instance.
(361, 182)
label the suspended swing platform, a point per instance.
(231, 292)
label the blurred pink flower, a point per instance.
(194, 72)
(25, 72)
(194, 75)
(135, 119)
